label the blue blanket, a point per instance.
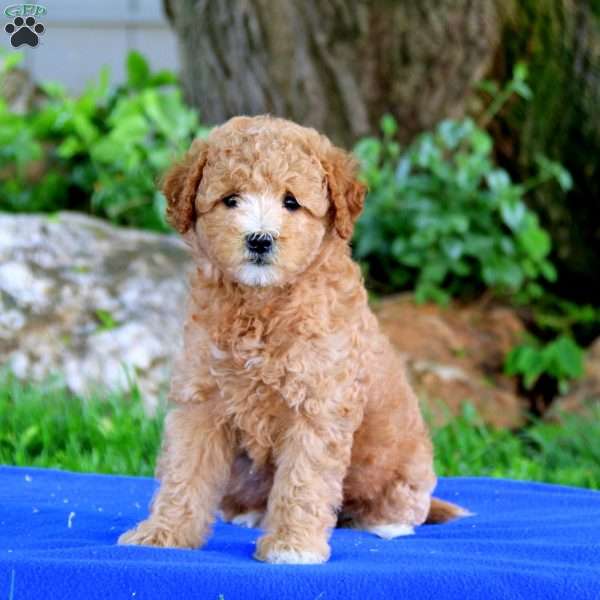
(58, 535)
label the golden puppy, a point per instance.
(289, 408)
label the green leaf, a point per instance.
(491, 87)
(163, 77)
(554, 170)
(522, 89)
(29, 435)
(503, 272)
(388, 126)
(535, 241)
(565, 358)
(564, 179)
(426, 152)
(426, 291)
(497, 180)
(10, 61)
(520, 72)
(452, 132)
(434, 272)
(138, 70)
(561, 359)
(54, 89)
(548, 270)
(458, 223)
(70, 147)
(398, 248)
(368, 151)
(453, 248)
(85, 128)
(402, 170)
(481, 142)
(527, 361)
(513, 214)
(107, 321)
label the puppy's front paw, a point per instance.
(276, 550)
(148, 533)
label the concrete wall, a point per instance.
(83, 35)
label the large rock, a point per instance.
(96, 304)
(100, 305)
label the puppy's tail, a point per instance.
(441, 511)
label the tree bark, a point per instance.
(336, 65)
(339, 65)
(560, 42)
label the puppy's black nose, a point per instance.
(259, 243)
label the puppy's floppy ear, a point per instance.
(346, 193)
(180, 185)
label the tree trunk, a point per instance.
(336, 65)
(560, 42)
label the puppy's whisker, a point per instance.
(264, 234)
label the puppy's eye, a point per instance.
(290, 202)
(231, 200)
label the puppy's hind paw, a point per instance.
(389, 531)
(248, 519)
(386, 531)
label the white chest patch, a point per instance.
(257, 275)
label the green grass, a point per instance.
(45, 426)
(565, 452)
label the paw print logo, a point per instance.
(24, 31)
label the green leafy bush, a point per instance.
(552, 315)
(25, 183)
(443, 219)
(561, 360)
(101, 152)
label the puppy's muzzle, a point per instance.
(259, 243)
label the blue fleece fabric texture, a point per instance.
(58, 534)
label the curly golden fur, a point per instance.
(289, 408)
